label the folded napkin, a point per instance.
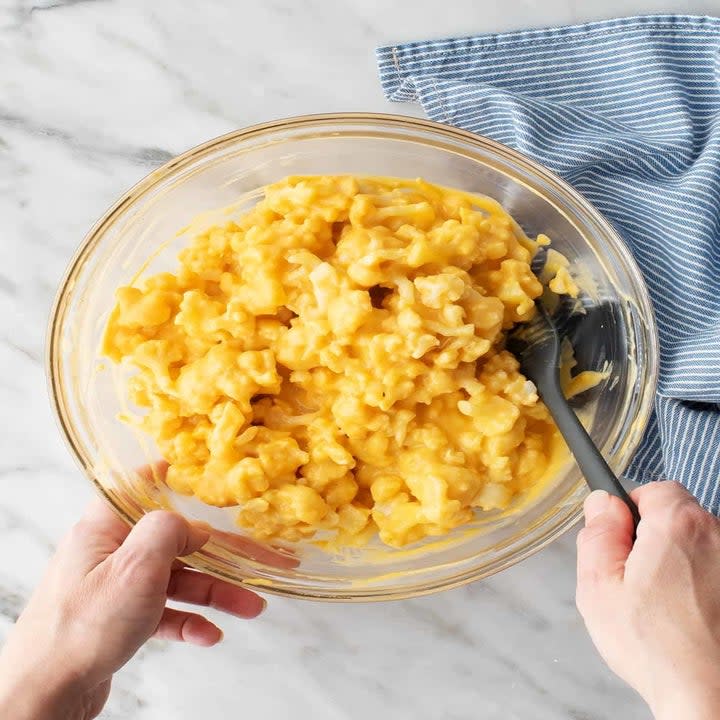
(628, 112)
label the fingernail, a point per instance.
(596, 504)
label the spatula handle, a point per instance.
(597, 472)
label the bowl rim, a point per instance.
(448, 132)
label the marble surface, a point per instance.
(93, 95)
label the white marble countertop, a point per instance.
(93, 95)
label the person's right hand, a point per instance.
(653, 608)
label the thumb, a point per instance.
(153, 544)
(606, 540)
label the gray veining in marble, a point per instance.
(93, 95)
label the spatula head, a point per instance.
(536, 345)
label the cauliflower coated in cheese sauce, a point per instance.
(333, 360)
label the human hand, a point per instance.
(103, 595)
(653, 608)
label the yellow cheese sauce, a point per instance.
(332, 361)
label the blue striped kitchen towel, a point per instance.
(628, 112)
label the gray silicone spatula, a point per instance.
(537, 347)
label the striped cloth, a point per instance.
(628, 112)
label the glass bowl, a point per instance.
(143, 230)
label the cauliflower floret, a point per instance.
(331, 361)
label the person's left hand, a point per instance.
(103, 595)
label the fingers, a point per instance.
(197, 588)
(165, 536)
(149, 552)
(606, 540)
(255, 551)
(156, 472)
(671, 510)
(188, 627)
(658, 496)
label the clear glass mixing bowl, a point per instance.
(142, 231)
